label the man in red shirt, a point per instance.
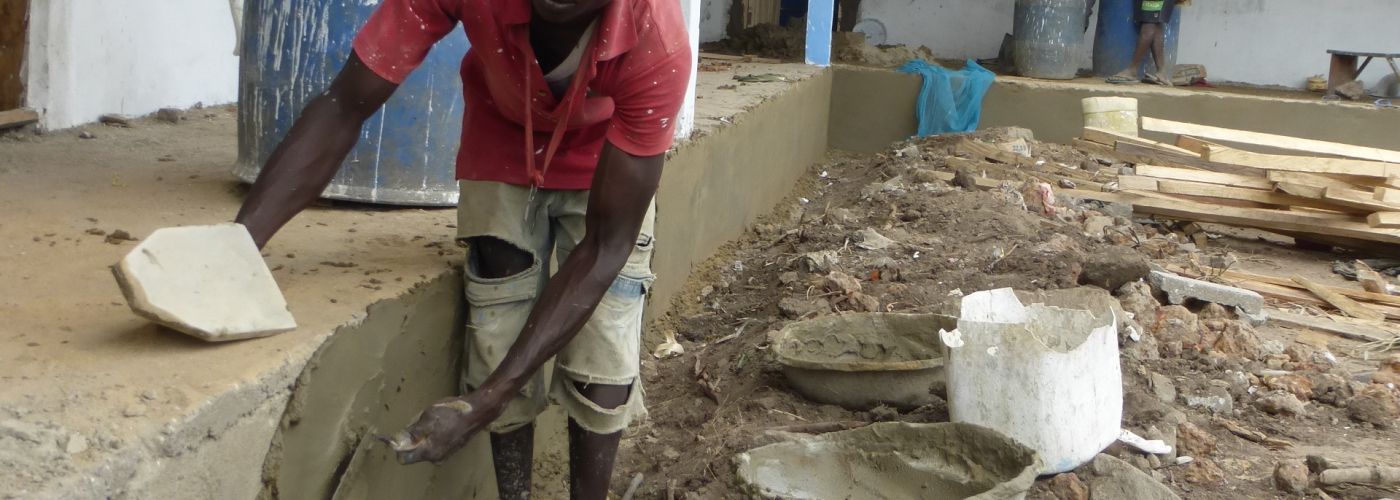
(570, 108)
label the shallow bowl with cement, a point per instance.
(892, 461)
(860, 361)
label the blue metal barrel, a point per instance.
(1117, 35)
(406, 153)
(1046, 38)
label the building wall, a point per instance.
(1263, 42)
(714, 19)
(89, 57)
(1283, 42)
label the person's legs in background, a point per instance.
(1151, 39)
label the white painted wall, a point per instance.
(1283, 42)
(714, 19)
(951, 28)
(685, 122)
(90, 57)
(1262, 42)
(954, 29)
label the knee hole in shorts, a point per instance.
(591, 392)
(494, 258)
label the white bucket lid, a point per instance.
(1109, 104)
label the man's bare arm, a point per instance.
(622, 190)
(303, 164)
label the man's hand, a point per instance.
(441, 430)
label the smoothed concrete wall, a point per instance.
(715, 185)
(374, 376)
(872, 108)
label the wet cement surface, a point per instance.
(97, 402)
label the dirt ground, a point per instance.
(726, 393)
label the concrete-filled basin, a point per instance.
(892, 461)
(860, 361)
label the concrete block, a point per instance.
(1249, 305)
(207, 281)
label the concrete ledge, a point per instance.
(376, 293)
(874, 107)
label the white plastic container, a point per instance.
(1118, 114)
(1045, 376)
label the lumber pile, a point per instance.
(1329, 193)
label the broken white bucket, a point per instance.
(1045, 376)
(207, 281)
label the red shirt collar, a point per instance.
(617, 29)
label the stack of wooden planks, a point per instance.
(1331, 193)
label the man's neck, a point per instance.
(553, 42)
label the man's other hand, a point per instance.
(440, 431)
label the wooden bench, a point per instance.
(1345, 68)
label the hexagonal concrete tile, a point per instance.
(207, 281)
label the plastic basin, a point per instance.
(892, 461)
(860, 361)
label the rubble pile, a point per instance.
(913, 230)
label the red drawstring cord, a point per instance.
(536, 175)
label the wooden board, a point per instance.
(1350, 307)
(1201, 199)
(1258, 218)
(1387, 195)
(1357, 200)
(1270, 140)
(1362, 247)
(1234, 193)
(1357, 332)
(979, 150)
(1098, 149)
(1314, 180)
(1205, 176)
(1193, 144)
(1281, 281)
(1111, 138)
(1282, 293)
(1342, 166)
(1153, 156)
(14, 30)
(1137, 182)
(17, 118)
(1389, 220)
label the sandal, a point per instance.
(1154, 78)
(1120, 79)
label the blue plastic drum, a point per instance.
(1117, 35)
(406, 153)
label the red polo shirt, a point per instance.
(636, 71)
